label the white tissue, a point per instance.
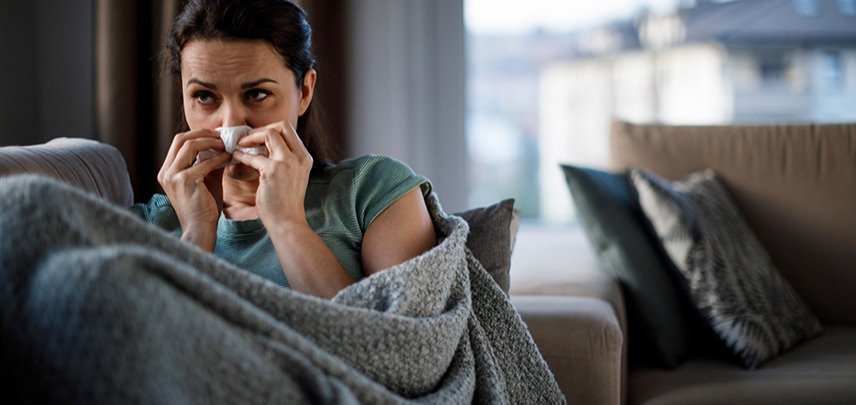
(230, 137)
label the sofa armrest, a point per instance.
(87, 164)
(582, 342)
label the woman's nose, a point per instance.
(233, 115)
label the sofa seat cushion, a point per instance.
(818, 371)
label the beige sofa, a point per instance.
(796, 188)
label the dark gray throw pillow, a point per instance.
(608, 209)
(491, 239)
(729, 275)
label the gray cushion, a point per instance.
(607, 207)
(730, 277)
(491, 238)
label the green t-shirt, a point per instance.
(341, 201)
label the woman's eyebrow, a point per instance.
(211, 86)
(244, 86)
(255, 83)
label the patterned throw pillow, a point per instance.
(730, 277)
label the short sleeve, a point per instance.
(379, 181)
(158, 211)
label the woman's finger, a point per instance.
(185, 159)
(277, 135)
(211, 164)
(270, 138)
(292, 139)
(257, 162)
(179, 140)
(186, 156)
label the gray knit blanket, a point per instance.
(97, 306)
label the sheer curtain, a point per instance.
(407, 90)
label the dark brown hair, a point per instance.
(280, 23)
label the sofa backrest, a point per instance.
(794, 184)
(90, 165)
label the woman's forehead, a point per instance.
(231, 59)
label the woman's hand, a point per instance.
(283, 174)
(195, 189)
(308, 263)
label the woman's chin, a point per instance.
(240, 171)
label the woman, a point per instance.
(290, 216)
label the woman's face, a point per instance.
(227, 83)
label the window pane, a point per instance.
(545, 80)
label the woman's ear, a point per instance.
(307, 90)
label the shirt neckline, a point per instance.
(230, 228)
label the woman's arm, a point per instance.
(307, 262)
(401, 232)
(309, 265)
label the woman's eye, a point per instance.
(257, 95)
(203, 97)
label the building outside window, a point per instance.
(546, 79)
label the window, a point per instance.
(831, 70)
(847, 7)
(545, 80)
(772, 67)
(806, 8)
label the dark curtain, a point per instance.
(138, 107)
(328, 19)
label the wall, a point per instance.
(45, 70)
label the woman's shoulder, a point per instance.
(371, 183)
(366, 163)
(371, 169)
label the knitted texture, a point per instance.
(96, 306)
